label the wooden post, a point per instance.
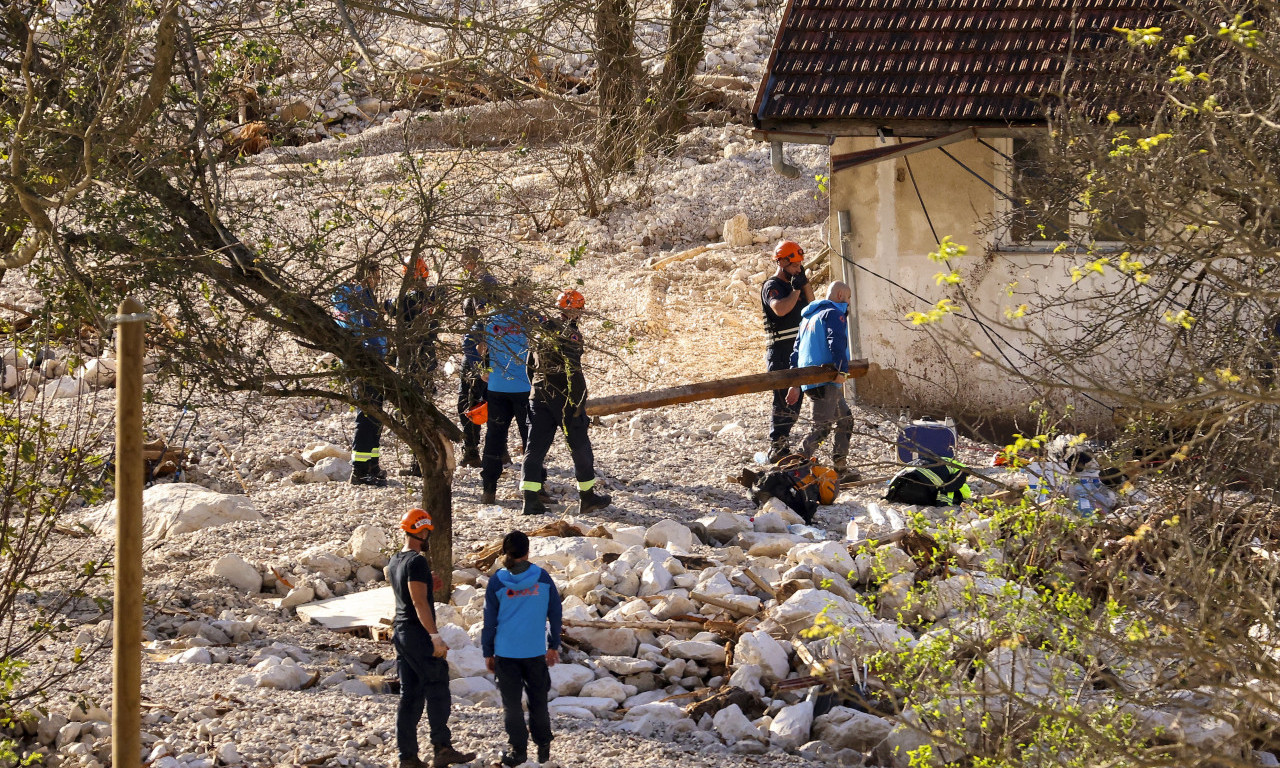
(126, 689)
(710, 390)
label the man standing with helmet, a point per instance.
(559, 402)
(355, 305)
(782, 299)
(420, 653)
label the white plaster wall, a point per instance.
(891, 237)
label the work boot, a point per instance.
(533, 505)
(362, 473)
(778, 450)
(544, 752)
(590, 501)
(411, 762)
(846, 475)
(488, 497)
(511, 757)
(471, 457)
(446, 756)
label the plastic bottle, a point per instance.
(761, 458)
(851, 532)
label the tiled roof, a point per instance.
(932, 60)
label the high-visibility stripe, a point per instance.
(965, 491)
(933, 478)
(360, 456)
(375, 453)
(527, 485)
(587, 485)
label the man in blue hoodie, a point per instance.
(356, 308)
(508, 393)
(519, 602)
(824, 340)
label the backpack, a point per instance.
(799, 483)
(929, 483)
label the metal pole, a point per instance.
(126, 691)
(845, 223)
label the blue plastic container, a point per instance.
(927, 438)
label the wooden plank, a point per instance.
(711, 390)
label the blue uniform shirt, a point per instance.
(508, 347)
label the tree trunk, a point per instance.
(684, 51)
(618, 76)
(437, 499)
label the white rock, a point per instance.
(326, 563)
(655, 579)
(315, 452)
(367, 574)
(1027, 671)
(29, 394)
(368, 543)
(577, 713)
(299, 595)
(676, 603)
(174, 508)
(64, 387)
(733, 726)
(800, 610)
(697, 650)
(736, 231)
(759, 648)
(47, 727)
(769, 522)
(768, 544)
(99, 372)
(829, 554)
(723, 526)
(791, 727)
(786, 513)
(605, 687)
(748, 678)
(626, 665)
(568, 679)
(669, 535)
(334, 468)
(10, 378)
(192, 656)
(554, 550)
(846, 728)
(227, 754)
(467, 662)
(239, 572)
(355, 687)
(474, 689)
(274, 672)
(597, 706)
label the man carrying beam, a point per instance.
(783, 298)
(823, 339)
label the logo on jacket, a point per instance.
(530, 592)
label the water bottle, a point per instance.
(851, 532)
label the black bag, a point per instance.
(784, 484)
(929, 483)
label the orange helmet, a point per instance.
(788, 251)
(416, 522)
(478, 414)
(571, 299)
(420, 268)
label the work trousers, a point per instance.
(504, 407)
(471, 393)
(778, 358)
(525, 676)
(545, 419)
(366, 444)
(829, 411)
(424, 682)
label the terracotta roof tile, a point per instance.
(947, 60)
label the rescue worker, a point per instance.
(471, 392)
(823, 339)
(508, 394)
(559, 402)
(520, 602)
(420, 653)
(783, 298)
(356, 306)
(417, 314)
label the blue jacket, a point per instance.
(823, 339)
(517, 608)
(356, 309)
(508, 347)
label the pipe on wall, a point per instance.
(780, 164)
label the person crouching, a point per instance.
(519, 602)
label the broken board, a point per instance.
(368, 612)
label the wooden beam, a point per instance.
(711, 390)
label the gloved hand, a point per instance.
(799, 280)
